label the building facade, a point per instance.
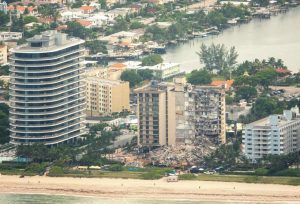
(273, 135)
(104, 96)
(210, 114)
(3, 54)
(152, 114)
(175, 113)
(7, 36)
(46, 90)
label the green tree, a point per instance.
(217, 57)
(131, 76)
(136, 25)
(156, 33)
(30, 19)
(245, 92)
(4, 123)
(77, 4)
(199, 77)
(120, 25)
(265, 77)
(103, 4)
(152, 60)
(145, 74)
(4, 70)
(4, 19)
(216, 18)
(96, 46)
(47, 10)
(77, 30)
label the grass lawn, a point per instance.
(146, 173)
(248, 179)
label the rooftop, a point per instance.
(48, 41)
(288, 116)
(95, 79)
(161, 66)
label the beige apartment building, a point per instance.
(3, 54)
(104, 96)
(177, 113)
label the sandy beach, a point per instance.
(145, 189)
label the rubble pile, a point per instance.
(183, 155)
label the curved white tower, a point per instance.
(46, 92)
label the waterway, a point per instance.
(277, 37)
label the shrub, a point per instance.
(116, 167)
(152, 175)
(56, 171)
(187, 177)
(36, 168)
(261, 172)
(288, 172)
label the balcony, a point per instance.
(12, 111)
(80, 51)
(67, 119)
(45, 118)
(44, 106)
(65, 95)
(50, 130)
(52, 136)
(41, 83)
(13, 87)
(56, 74)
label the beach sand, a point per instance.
(154, 189)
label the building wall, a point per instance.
(3, 54)
(120, 97)
(172, 117)
(104, 97)
(179, 122)
(210, 112)
(163, 128)
(47, 105)
(266, 139)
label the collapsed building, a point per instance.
(177, 113)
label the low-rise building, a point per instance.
(165, 71)
(20, 10)
(87, 9)
(3, 54)
(7, 36)
(273, 135)
(104, 96)
(123, 36)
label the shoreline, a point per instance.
(150, 189)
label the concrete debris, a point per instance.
(183, 155)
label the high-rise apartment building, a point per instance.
(153, 115)
(104, 96)
(273, 135)
(46, 90)
(210, 117)
(177, 113)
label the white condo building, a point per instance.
(46, 92)
(273, 135)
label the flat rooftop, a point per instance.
(48, 41)
(266, 122)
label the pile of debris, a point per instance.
(183, 155)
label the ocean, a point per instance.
(61, 199)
